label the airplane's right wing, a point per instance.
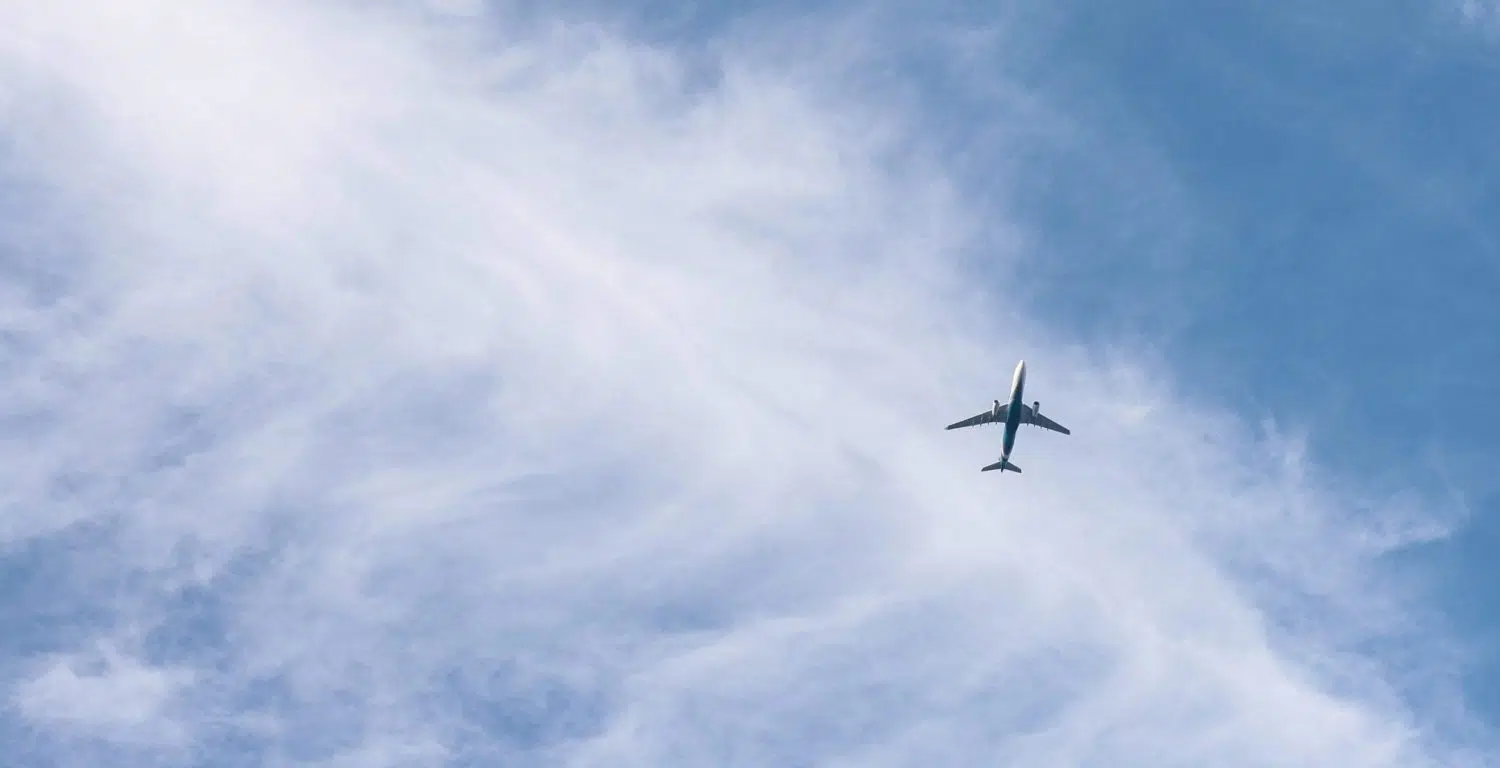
(983, 418)
(1032, 417)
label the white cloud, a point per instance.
(104, 692)
(1482, 15)
(522, 394)
(1476, 10)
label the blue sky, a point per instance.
(464, 383)
(1341, 267)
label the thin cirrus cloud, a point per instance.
(1477, 10)
(386, 385)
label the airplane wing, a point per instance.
(983, 418)
(1032, 417)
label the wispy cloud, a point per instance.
(403, 388)
(103, 691)
(1477, 10)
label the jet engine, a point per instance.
(1036, 407)
(996, 412)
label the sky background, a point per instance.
(452, 383)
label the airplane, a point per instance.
(1012, 415)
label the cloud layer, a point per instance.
(421, 385)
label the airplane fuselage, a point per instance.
(1013, 414)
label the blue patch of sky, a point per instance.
(36, 571)
(1335, 173)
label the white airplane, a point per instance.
(1012, 415)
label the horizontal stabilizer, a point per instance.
(1002, 465)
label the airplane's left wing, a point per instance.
(983, 418)
(1032, 417)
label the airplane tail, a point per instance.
(1003, 465)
